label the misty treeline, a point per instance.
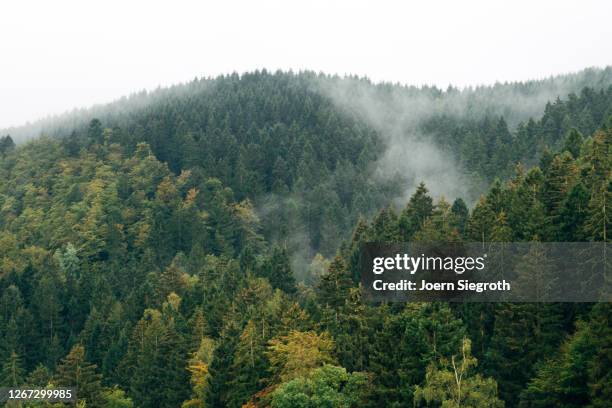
(312, 152)
(149, 255)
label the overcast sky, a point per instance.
(61, 54)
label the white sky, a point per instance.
(61, 54)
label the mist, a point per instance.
(397, 113)
(408, 153)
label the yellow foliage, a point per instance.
(298, 353)
(191, 196)
(35, 256)
(166, 191)
(199, 371)
(183, 177)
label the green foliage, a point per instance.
(579, 374)
(12, 374)
(75, 371)
(6, 145)
(418, 209)
(573, 143)
(453, 384)
(199, 251)
(298, 353)
(219, 390)
(277, 270)
(116, 398)
(328, 386)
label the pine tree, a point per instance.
(481, 222)
(496, 197)
(422, 332)
(6, 145)
(524, 334)
(12, 374)
(559, 180)
(384, 227)
(460, 215)
(439, 226)
(219, 389)
(526, 212)
(598, 219)
(277, 269)
(94, 132)
(573, 143)
(172, 279)
(249, 365)
(579, 374)
(156, 359)
(39, 377)
(334, 286)
(419, 207)
(501, 231)
(75, 371)
(573, 214)
(198, 367)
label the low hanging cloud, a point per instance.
(408, 153)
(398, 112)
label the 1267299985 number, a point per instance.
(64, 394)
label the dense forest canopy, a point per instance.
(314, 152)
(197, 246)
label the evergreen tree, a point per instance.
(277, 269)
(573, 143)
(75, 371)
(6, 145)
(39, 377)
(12, 371)
(334, 286)
(481, 222)
(249, 364)
(573, 214)
(419, 207)
(220, 389)
(95, 132)
(460, 215)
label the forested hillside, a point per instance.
(152, 248)
(313, 152)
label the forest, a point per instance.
(198, 246)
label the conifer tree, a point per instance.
(573, 143)
(39, 377)
(334, 285)
(6, 145)
(219, 389)
(598, 219)
(460, 215)
(249, 365)
(419, 207)
(481, 222)
(277, 269)
(573, 214)
(75, 371)
(12, 374)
